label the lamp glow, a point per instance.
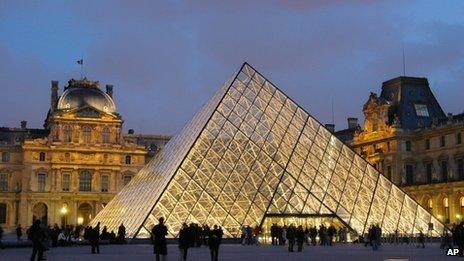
(64, 210)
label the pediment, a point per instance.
(88, 112)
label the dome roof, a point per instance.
(83, 93)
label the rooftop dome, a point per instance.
(83, 93)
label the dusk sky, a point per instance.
(166, 58)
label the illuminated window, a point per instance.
(2, 213)
(128, 159)
(41, 179)
(447, 213)
(5, 156)
(67, 133)
(3, 182)
(461, 203)
(106, 135)
(127, 179)
(42, 156)
(66, 181)
(105, 183)
(421, 110)
(85, 181)
(86, 134)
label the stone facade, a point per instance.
(408, 138)
(67, 172)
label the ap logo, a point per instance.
(452, 252)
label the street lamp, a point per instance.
(64, 210)
(64, 213)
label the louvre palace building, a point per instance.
(68, 171)
(407, 136)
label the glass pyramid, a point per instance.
(252, 151)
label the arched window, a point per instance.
(430, 205)
(126, 179)
(106, 135)
(67, 133)
(42, 156)
(128, 159)
(67, 157)
(86, 134)
(85, 181)
(447, 212)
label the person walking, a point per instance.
(121, 234)
(421, 239)
(214, 242)
(256, 232)
(460, 238)
(184, 241)
(300, 238)
(274, 234)
(291, 237)
(159, 233)
(94, 238)
(55, 232)
(38, 237)
(313, 235)
(1, 237)
(331, 233)
(19, 232)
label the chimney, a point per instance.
(54, 95)
(23, 125)
(352, 123)
(131, 131)
(330, 127)
(109, 90)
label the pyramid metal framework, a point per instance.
(252, 151)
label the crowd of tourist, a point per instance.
(194, 235)
(42, 237)
(189, 236)
(311, 236)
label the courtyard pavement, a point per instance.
(238, 252)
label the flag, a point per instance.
(81, 61)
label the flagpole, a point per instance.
(82, 67)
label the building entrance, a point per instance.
(307, 221)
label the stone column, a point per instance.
(96, 180)
(73, 214)
(74, 180)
